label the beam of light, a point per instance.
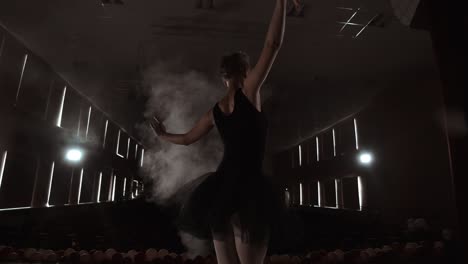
(356, 137)
(349, 20)
(300, 194)
(25, 61)
(128, 147)
(142, 157)
(49, 187)
(124, 186)
(87, 123)
(62, 103)
(79, 186)
(345, 8)
(370, 21)
(317, 148)
(366, 158)
(13, 209)
(300, 155)
(334, 143)
(99, 188)
(74, 155)
(350, 24)
(360, 192)
(2, 166)
(105, 134)
(319, 194)
(136, 151)
(113, 188)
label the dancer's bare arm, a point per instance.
(273, 42)
(201, 128)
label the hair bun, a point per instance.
(235, 64)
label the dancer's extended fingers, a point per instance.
(155, 127)
(156, 119)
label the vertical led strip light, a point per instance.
(124, 186)
(118, 145)
(136, 151)
(87, 124)
(356, 135)
(360, 192)
(300, 194)
(319, 194)
(62, 103)
(317, 147)
(99, 188)
(334, 143)
(79, 123)
(49, 188)
(113, 188)
(25, 60)
(136, 188)
(105, 134)
(109, 193)
(300, 155)
(2, 167)
(337, 197)
(79, 186)
(142, 157)
(128, 147)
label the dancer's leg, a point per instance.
(248, 252)
(225, 247)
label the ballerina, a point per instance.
(236, 205)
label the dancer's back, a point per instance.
(243, 133)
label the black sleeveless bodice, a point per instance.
(243, 133)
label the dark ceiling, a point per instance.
(103, 49)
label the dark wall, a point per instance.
(403, 128)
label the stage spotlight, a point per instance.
(366, 158)
(74, 155)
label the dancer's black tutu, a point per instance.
(238, 187)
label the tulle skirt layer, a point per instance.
(211, 201)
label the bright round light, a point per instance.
(365, 158)
(74, 155)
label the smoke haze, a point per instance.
(179, 99)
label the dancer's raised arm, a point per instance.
(273, 42)
(201, 128)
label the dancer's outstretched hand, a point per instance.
(157, 126)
